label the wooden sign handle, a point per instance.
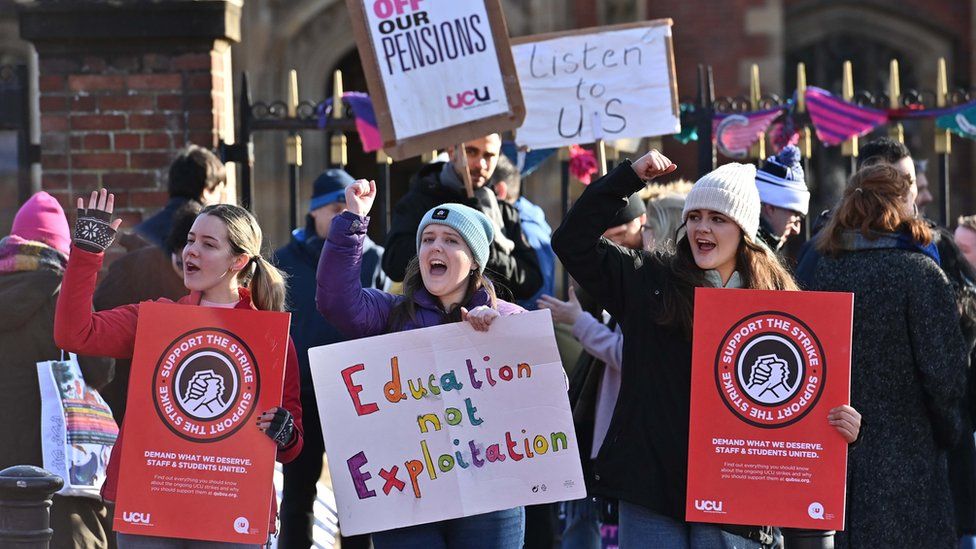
(461, 161)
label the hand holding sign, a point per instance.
(847, 421)
(653, 164)
(360, 196)
(480, 317)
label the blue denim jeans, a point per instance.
(134, 541)
(496, 530)
(582, 524)
(641, 527)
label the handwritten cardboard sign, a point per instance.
(766, 369)
(599, 83)
(446, 422)
(439, 72)
(194, 464)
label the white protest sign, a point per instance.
(446, 422)
(439, 71)
(599, 83)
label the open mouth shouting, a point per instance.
(437, 267)
(190, 267)
(704, 245)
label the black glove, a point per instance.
(282, 427)
(93, 230)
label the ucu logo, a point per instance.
(708, 506)
(136, 518)
(468, 98)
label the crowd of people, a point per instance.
(466, 245)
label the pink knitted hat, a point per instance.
(42, 219)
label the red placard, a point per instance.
(194, 464)
(767, 367)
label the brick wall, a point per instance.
(118, 121)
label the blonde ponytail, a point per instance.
(265, 282)
(267, 286)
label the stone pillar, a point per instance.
(123, 87)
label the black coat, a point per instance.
(518, 272)
(644, 458)
(907, 381)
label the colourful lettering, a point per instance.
(391, 480)
(359, 478)
(449, 382)
(354, 390)
(414, 468)
(393, 388)
(432, 419)
(494, 454)
(511, 447)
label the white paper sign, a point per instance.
(437, 61)
(608, 85)
(446, 422)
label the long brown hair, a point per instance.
(264, 280)
(406, 310)
(872, 204)
(755, 263)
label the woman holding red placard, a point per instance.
(644, 458)
(222, 267)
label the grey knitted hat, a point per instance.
(731, 190)
(473, 226)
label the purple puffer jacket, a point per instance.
(362, 312)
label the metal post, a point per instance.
(564, 202)
(25, 506)
(337, 152)
(704, 113)
(897, 130)
(849, 148)
(758, 150)
(244, 140)
(384, 189)
(944, 212)
(806, 141)
(25, 147)
(293, 151)
(943, 144)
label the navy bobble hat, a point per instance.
(781, 183)
(330, 187)
(473, 226)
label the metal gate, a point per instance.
(294, 117)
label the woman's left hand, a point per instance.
(480, 317)
(847, 421)
(278, 424)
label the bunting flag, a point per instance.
(362, 111)
(783, 132)
(526, 161)
(736, 133)
(961, 121)
(837, 120)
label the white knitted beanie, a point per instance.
(731, 190)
